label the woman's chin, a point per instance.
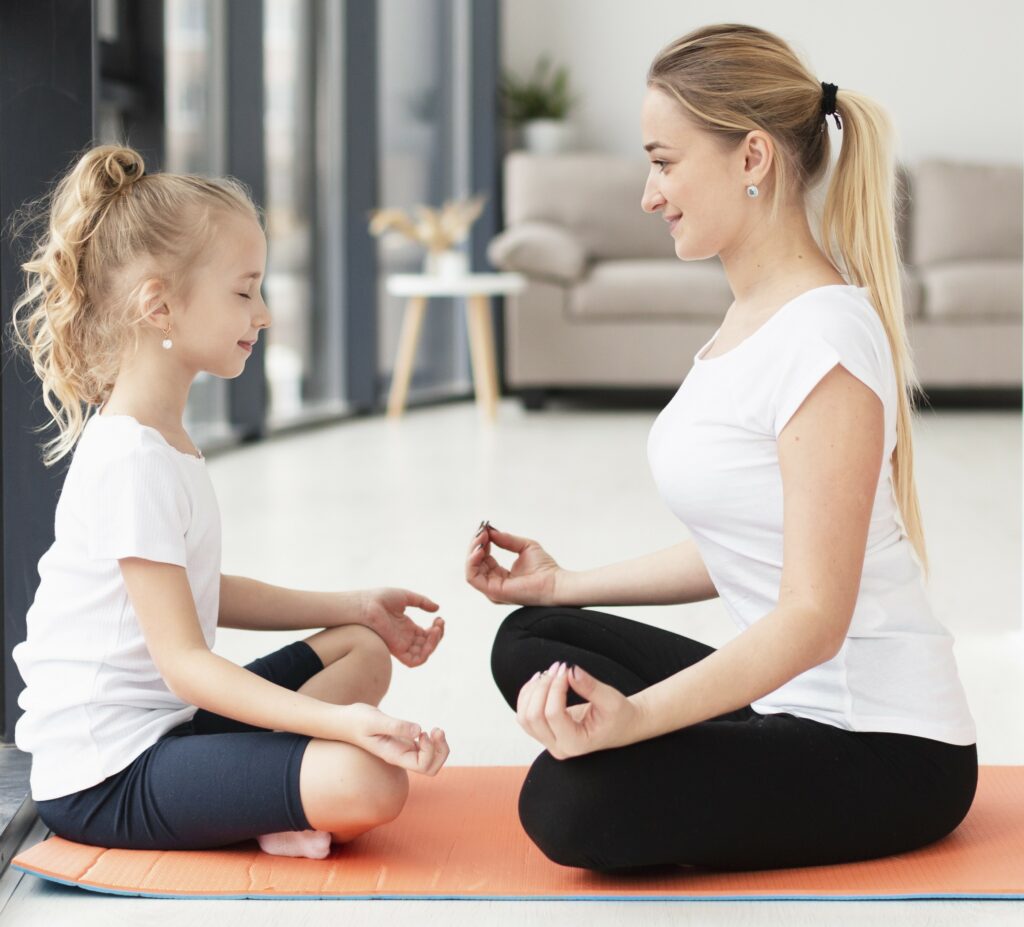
(687, 252)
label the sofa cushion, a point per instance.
(595, 196)
(539, 250)
(966, 211)
(910, 284)
(652, 289)
(970, 291)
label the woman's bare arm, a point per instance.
(674, 575)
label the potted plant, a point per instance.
(540, 104)
(438, 230)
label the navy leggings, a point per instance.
(740, 791)
(208, 782)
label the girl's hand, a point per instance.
(400, 743)
(533, 576)
(608, 718)
(384, 612)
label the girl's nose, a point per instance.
(262, 318)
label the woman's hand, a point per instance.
(608, 718)
(400, 743)
(383, 611)
(533, 576)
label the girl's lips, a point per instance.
(245, 346)
(672, 224)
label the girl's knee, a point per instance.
(346, 790)
(391, 793)
(364, 648)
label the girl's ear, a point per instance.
(153, 304)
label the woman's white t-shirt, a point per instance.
(93, 698)
(714, 458)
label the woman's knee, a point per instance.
(558, 815)
(348, 791)
(506, 661)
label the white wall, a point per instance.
(949, 72)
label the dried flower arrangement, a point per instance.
(436, 229)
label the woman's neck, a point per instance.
(772, 263)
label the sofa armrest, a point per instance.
(539, 249)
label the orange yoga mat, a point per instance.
(460, 837)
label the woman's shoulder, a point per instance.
(836, 308)
(842, 319)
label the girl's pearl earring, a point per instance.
(752, 191)
(166, 344)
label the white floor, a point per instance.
(373, 502)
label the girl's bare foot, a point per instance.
(313, 844)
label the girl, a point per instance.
(834, 726)
(142, 737)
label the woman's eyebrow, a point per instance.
(650, 146)
(251, 274)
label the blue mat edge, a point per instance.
(610, 898)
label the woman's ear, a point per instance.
(758, 153)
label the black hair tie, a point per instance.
(828, 103)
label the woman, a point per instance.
(834, 726)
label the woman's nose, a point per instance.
(652, 200)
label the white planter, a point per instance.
(546, 136)
(446, 263)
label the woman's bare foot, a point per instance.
(313, 844)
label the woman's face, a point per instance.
(699, 188)
(225, 311)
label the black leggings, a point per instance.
(740, 791)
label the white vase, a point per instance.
(546, 136)
(446, 264)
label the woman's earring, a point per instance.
(166, 344)
(752, 191)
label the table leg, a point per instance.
(412, 322)
(481, 346)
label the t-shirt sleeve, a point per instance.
(139, 508)
(840, 338)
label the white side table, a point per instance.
(477, 290)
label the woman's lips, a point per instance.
(673, 223)
(245, 346)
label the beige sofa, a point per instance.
(608, 304)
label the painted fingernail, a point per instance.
(561, 669)
(553, 667)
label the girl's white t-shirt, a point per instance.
(714, 458)
(93, 698)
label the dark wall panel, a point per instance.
(47, 76)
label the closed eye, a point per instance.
(244, 295)
(661, 165)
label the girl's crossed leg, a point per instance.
(214, 780)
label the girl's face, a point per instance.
(699, 188)
(219, 324)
